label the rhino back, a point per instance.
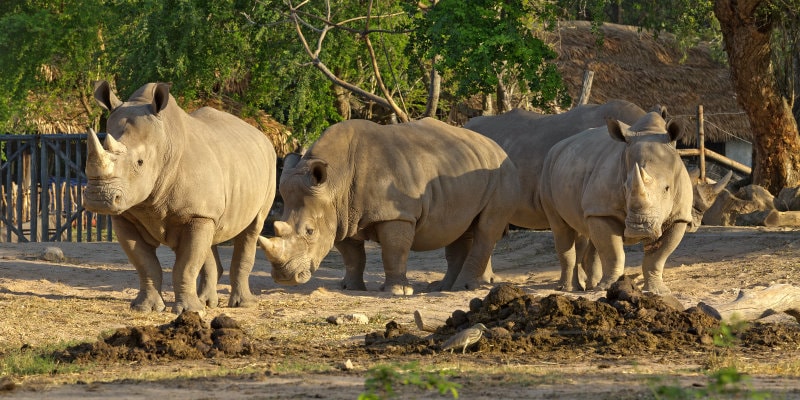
(226, 171)
(430, 173)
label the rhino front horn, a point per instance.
(272, 248)
(98, 161)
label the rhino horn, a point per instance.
(646, 178)
(273, 248)
(282, 229)
(638, 184)
(719, 186)
(113, 146)
(98, 161)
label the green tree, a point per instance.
(49, 54)
(486, 45)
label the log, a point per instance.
(426, 325)
(755, 304)
(782, 218)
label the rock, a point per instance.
(359, 319)
(52, 254)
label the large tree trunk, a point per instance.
(747, 41)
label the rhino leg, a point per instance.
(606, 236)
(197, 234)
(455, 253)
(591, 266)
(396, 238)
(655, 255)
(564, 238)
(476, 269)
(142, 255)
(244, 256)
(355, 260)
(209, 276)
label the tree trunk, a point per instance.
(342, 101)
(776, 144)
(434, 90)
(503, 100)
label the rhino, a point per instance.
(418, 186)
(528, 136)
(188, 181)
(618, 185)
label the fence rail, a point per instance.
(41, 190)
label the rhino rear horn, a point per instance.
(113, 146)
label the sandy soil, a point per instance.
(87, 295)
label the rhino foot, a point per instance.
(346, 284)
(399, 289)
(210, 299)
(437, 286)
(242, 301)
(189, 305)
(146, 303)
(658, 288)
(467, 285)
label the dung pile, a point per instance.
(188, 337)
(626, 321)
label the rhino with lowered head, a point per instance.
(416, 186)
(618, 185)
(527, 137)
(188, 181)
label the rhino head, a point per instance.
(656, 179)
(122, 171)
(307, 229)
(704, 196)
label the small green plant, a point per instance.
(382, 380)
(725, 335)
(28, 361)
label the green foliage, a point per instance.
(27, 361)
(725, 336)
(724, 383)
(47, 49)
(382, 380)
(480, 44)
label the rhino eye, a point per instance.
(140, 162)
(666, 188)
(309, 231)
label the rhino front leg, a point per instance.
(564, 239)
(143, 257)
(606, 236)
(355, 260)
(197, 234)
(209, 277)
(396, 238)
(655, 255)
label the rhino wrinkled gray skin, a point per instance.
(618, 185)
(419, 186)
(188, 181)
(527, 137)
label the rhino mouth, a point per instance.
(638, 227)
(292, 273)
(103, 198)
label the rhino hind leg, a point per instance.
(209, 277)
(355, 261)
(476, 269)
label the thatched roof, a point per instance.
(637, 67)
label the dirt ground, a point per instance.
(541, 343)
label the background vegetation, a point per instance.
(313, 63)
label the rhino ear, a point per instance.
(674, 131)
(160, 97)
(617, 129)
(105, 97)
(318, 171)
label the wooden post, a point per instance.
(701, 142)
(587, 86)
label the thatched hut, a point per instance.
(634, 65)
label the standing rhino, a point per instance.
(416, 186)
(189, 181)
(618, 185)
(527, 137)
